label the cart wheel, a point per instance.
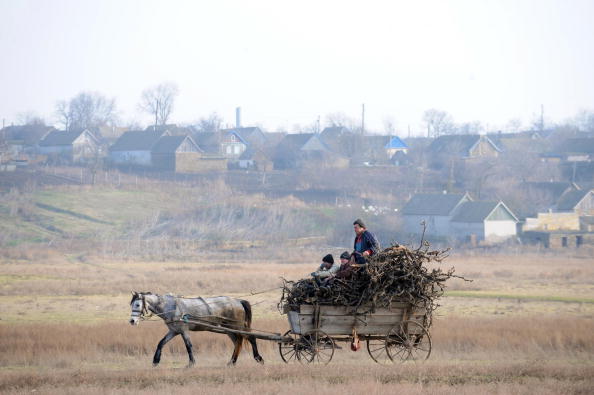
(288, 350)
(315, 347)
(376, 347)
(408, 341)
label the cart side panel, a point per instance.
(294, 321)
(333, 323)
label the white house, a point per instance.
(436, 210)
(488, 221)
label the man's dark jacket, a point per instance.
(368, 243)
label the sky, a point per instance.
(286, 63)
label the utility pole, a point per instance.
(541, 117)
(363, 119)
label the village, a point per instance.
(531, 187)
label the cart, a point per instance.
(399, 333)
(396, 334)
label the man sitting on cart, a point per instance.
(327, 269)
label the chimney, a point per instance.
(238, 117)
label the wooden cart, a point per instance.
(398, 333)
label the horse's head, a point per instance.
(138, 306)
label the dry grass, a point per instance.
(63, 329)
(470, 354)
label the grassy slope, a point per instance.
(91, 213)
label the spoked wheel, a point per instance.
(287, 350)
(408, 341)
(315, 347)
(378, 352)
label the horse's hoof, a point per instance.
(260, 360)
(190, 365)
(230, 364)
(155, 364)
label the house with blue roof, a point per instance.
(234, 142)
(395, 145)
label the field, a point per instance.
(525, 324)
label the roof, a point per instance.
(433, 204)
(459, 144)
(208, 141)
(29, 134)
(249, 135)
(474, 211)
(245, 132)
(136, 140)
(396, 143)
(59, 137)
(570, 199)
(169, 144)
(294, 141)
(236, 134)
(577, 146)
(334, 131)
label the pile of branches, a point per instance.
(395, 275)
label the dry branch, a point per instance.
(395, 275)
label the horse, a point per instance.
(220, 311)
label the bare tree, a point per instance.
(158, 101)
(514, 125)
(389, 125)
(211, 123)
(584, 120)
(86, 110)
(474, 127)
(438, 122)
(341, 119)
(30, 118)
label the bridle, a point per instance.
(143, 313)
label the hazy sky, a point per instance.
(286, 62)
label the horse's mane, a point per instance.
(136, 295)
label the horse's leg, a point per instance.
(257, 355)
(157, 358)
(237, 342)
(188, 343)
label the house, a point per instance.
(521, 142)
(170, 153)
(133, 148)
(394, 145)
(233, 145)
(24, 135)
(478, 221)
(464, 146)
(235, 142)
(578, 201)
(435, 210)
(305, 149)
(539, 197)
(566, 214)
(72, 146)
(209, 142)
(576, 150)
(457, 216)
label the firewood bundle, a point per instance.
(395, 275)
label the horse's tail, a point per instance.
(248, 313)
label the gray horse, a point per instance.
(220, 311)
